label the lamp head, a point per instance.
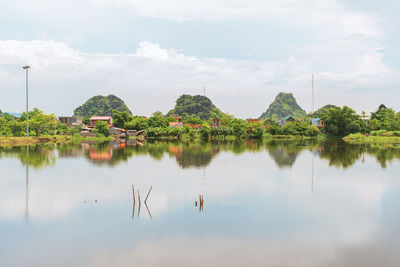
(26, 67)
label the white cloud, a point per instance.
(309, 13)
(153, 77)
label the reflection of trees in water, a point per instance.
(282, 158)
(341, 154)
(200, 154)
(197, 156)
(384, 153)
(39, 155)
(285, 152)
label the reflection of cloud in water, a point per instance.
(252, 207)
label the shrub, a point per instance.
(102, 128)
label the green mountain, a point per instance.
(284, 105)
(321, 111)
(101, 106)
(195, 106)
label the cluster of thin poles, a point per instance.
(145, 202)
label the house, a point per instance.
(176, 117)
(215, 122)
(95, 119)
(195, 126)
(96, 155)
(365, 118)
(71, 121)
(175, 124)
(115, 131)
(317, 122)
(285, 120)
(253, 121)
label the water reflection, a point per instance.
(288, 203)
(27, 184)
(199, 155)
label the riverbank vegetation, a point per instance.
(43, 128)
(196, 117)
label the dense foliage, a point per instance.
(101, 106)
(39, 124)
(284, 105)
(322, 111)
(385, 119)
(102, 128)
(343, 121)
(198, 106)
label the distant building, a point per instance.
(71, 121)
(115, 131)
(215, 122)
(253, 121)
(175, 124)
(317, 122)
(176, 117)
(194, 126)
(285, 120)
(95, 119)
(365, 118)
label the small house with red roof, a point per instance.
(95, 119)
(194, 126)
(175, 124)
(215, 122)
(253, 121)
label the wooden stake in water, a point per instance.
(134, 202)
(133, 193)
(139, 203)
(145, 201)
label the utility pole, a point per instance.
(26, 67)
(312, 84)
(204, 90)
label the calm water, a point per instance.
(265, 204)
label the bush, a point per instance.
(396, 133)
(205, 131)
(102, 128)
(355, 136)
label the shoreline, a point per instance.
(32, 140)
(24, 141)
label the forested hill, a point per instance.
(284, 105)
(322, 111)
(195, 106)
(101, 106)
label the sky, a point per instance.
(244, 52)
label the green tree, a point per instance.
(157, 119)
(205, 131)
(102, 128)
(137, 123)
(86, 120)
(238, 127)
(120, 118)
(343, 121)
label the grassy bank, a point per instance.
(362, 138)
(23, 141)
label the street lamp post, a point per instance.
(26, 67)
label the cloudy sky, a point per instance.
(243, 51)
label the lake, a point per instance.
(266, 203)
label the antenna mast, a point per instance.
(312, 84)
